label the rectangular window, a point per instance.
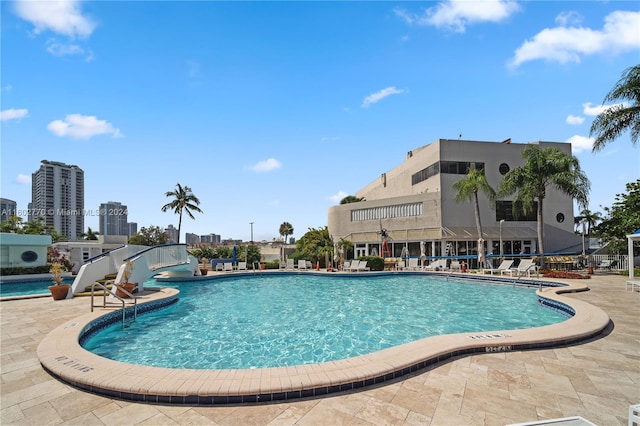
(505, 211)
(377, 213)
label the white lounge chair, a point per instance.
(437, 265)
(362, 266)
(353, 267)
(633, 284)
(242, 266)
(455, 265)
(302, 264)
(505, 265)
(400, 265)
(219, 267)
(525, 267)
(290, 264)
(228, 267)
(412, 264)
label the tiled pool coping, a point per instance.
(62, 356)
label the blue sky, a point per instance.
(274, 111)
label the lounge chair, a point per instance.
(633, 284)
(400, 265)
(242, 266)
(505, 265)
(346, 265)
(290, 265)
(362, 266)
(302, 264)
(437, 265)
(355, 266)
(228, 267)
(219, 267)
(455, 266)
(525, 267)
(283, 265)
(413, 264)
(607, 264)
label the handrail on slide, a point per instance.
(104, 300)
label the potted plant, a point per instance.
(58, 290)
(203, 268)
(125, 284)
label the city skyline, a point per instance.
(274, 111)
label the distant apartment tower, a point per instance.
(172, 234)
(113, 218)
(57, 195)
(210, 239)
(7, 208)
(192, 239)
(132, 228)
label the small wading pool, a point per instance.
(27, 287)
(244, 322)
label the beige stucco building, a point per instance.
(414, 202)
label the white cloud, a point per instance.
(575, 120)
(266, 165)
(13, 114)
(580, 143)
(378, 96)
(596, 110)
(455, 15)
(568, 44)
(337, 197)
(569, 18)
(60, 16)
(63, 49)
(24, 179)
(79, 126)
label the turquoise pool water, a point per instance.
(13, 288)
(281, 320)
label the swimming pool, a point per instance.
(293, 319)
(27, 287)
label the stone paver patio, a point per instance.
(596, 380)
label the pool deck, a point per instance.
(597, 379)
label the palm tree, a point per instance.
(468, 188)
(90, 234)
(351, 199)
(610, 123)
(591, 218)
(543, 168)
(286, 229)
(183, 200)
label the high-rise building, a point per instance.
(57, 195)
(211, 238)
(132, 228)
(172, 234)
(7, 208)
(192, 239)
(113, 219)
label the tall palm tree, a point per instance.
(468, 188)
(591, 218)
(544, 167)
(610, 123)
(286, 229)
(183, 200)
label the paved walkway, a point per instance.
(597, 380)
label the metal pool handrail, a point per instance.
(104, 300)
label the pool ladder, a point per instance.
(104, 301)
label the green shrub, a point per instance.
(376, 263)
(25, 271)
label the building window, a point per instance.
(560, 217)
(447, 167)
(29, 256)
(386, 212)
(505, 210)
(503, 168)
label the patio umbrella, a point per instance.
(336, 252)
(235, 254)
(481, 255)
(374, 251)
(423, 255)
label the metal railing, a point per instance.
(104, 300)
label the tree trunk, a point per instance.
(540, 229)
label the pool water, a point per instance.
(282, 320)
(14, 288)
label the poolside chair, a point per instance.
(362, 266)
(302, 264)
(353, 266)
(290, 264)
(455, 265)
(505, 265)
(412, 264)
(400, 265)
(525, 267)
(633, 284)
(437, 265)
(219, 267)
(228, 267)
(283, 265)
(242, 266)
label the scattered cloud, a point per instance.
(569, 18)
(337, 197)
(266, 165)
(598, 109)
(580, 143)
(456, 15)
(6, 88)
(380, 95)
(13, 114)
(565, 44)
(77, 126)
(64, 49)
(23, 179)
(59, 16)
(574, 120)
